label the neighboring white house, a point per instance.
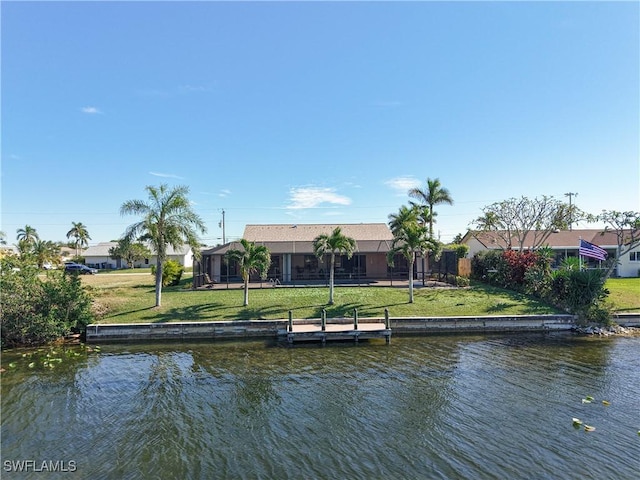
(97, 256)
(565, 244)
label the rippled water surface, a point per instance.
(473, 407)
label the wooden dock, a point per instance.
(335, 332)
(341, 329)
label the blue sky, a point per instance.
(314, 112)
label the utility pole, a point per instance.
(221, 224)
(570, 195)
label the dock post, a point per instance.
(387, 325)
(355, 318)
(290, 321)
(323, 320)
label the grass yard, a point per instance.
(624, 294)
(130, 298)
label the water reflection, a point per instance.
(423, 407)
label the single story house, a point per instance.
(293, 259)
(564, 243)
(97, 256)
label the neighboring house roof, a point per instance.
(560, 239)
(298, 238)
(102, 250)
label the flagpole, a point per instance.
(579, 255)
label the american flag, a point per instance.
(590, 250)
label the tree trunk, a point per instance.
(246, 290)
(411, 262)
(331, 277)
(158, 282)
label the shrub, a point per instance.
(171, 273)
(35, 311)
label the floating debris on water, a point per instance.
(589, 428)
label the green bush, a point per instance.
(171, 273)
(580, 292)
(35, 311)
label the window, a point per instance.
(634, 256)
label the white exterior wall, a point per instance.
(628, 268)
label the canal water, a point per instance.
(437, 407)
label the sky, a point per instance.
(313, 112)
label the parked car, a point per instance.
(79, 268)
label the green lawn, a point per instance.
(130, 298)
(624, 294)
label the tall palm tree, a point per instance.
(251, 259)
(409, 239)
(167, 220)
(28, 234)
(80, 234)
(435, 194)
(332, 244)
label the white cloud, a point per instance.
(90, 110)
(166, 175)
(312, 197)
(402, 184)
(224, 193)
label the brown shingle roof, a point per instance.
(283, 238)
(308, 232)
(561, 239)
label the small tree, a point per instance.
(130, 252)
(515, 220)
(251, 259)
(34, 310)
(332, 244)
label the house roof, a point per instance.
(308, 232)
(560, 239)
(102, 250)
(298, 238)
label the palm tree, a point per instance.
(45, 251)
(251, 259)
(332, 244)
(80, 234)
(408, 240)
(168, 220)
(28, 234)
(3, 238)
(435, 194)
(404, 215)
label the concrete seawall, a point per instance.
(127, 332)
